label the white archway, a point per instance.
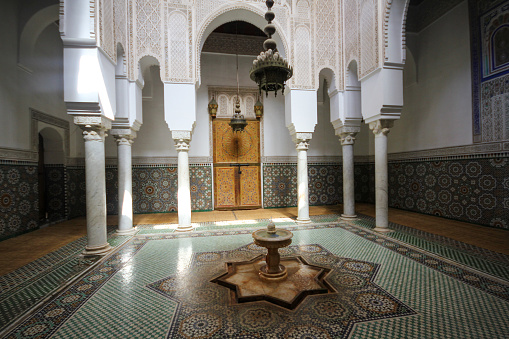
(237, 12)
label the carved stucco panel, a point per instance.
(327, 40)
(107, 29)
(148, 30)
(351, 32)
(120, 20)
(369, 37)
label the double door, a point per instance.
(236, 166)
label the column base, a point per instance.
(303, 221)
(97, 250)
(382, 229)
(186, 228)
(131, 231)
(348, 217)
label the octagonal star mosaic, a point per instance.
(206, 309)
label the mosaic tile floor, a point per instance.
(406, 284)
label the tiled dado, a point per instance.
(280, 184)
(19, 198)
(154, 189)
(473, 190)
(55, 192)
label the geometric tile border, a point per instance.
(206, 310)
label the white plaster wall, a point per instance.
(324, 141)
(14, 122)
(438, 108)
(154, 137)
(19, 90)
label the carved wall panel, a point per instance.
(107, 29)
(172, 30)
(120, 19)
(327, 41)
(351, 32)
(369, 37)
(227, 96)
(148, 30)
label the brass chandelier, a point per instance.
(270, 70)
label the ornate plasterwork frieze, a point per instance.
(494, 149)
(15, 154)
(227, 96)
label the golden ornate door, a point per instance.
(236, 165)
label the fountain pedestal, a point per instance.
(272, 240)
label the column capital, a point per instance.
(347, 138)
(302, 145)
(347, 134)
(381, 127)
(181, 139)
(123, 136)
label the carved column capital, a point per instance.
(123, 136)
(182, 140)
(93, 134)
(93, 126)
(347, 138)
(381, 127)
(302, 145)
(347, 134)
(182, 145)
(301, 140)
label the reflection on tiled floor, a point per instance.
(424, 287)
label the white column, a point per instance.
(381, 129)
(347, 142)
(182, 140)
(124, 139)
(94, 133)
(301, 139)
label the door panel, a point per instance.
(225, 187)
(229, 147)
(250, 186)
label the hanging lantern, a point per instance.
(270, 70)
(237, 122)
(258, 108)
(213, 107)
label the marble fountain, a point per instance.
(284, 281)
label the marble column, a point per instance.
(94, 129)
(182, 140)
(347, 136)
(124, 139)
(301, 140)
(381, 128)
